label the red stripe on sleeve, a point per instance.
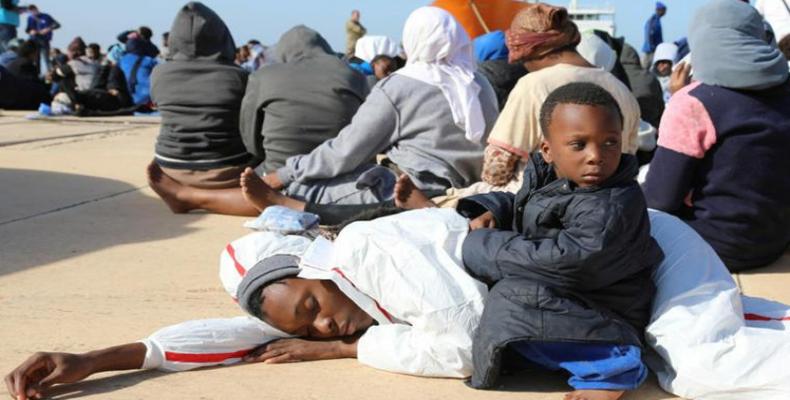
(757, 317)
(232, 253)
(204, 358)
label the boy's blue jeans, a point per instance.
(592, 366)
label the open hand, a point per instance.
(295, 350)
(43, 370)
(486, 220)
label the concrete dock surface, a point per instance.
(90, 257)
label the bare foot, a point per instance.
(258, 193)
(167, 188)
(408, 196)
(594, 395)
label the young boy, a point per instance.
(569, 258)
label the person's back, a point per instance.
(722, 161)
(519, 131)
(293, 106)
(198, 92)
(85, 71)
(429, 146)
(137, 69)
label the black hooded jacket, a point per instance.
(569, 264)
(306, 98)
(199, 91)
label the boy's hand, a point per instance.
(485, 220)
(295, 350)
(43, 370)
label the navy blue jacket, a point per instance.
(568, 264)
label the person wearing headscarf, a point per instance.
(369, 47)
(723, 143)
(198, 91)
(430, 118)
(653, 34)
(544, 40)
(492, 62)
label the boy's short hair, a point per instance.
(581, 93)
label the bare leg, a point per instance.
(408, 196)
(181, 198)
(260, 195)
(594, 395)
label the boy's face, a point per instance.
(583, 143)
(312, 308)
(664, 68)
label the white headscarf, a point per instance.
(440, 54)
(368, 47)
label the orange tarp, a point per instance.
(495, 14)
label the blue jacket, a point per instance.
(653, 34)
(137, 70)
(38, 23)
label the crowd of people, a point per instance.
(487, 193)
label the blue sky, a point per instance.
(101, 20)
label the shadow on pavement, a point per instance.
(48, 216)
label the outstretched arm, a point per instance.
(43, 370)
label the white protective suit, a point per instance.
(405, 271)
(713, 343)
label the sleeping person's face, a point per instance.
(312, 308)
(583, 143)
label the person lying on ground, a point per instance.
(592, 260)
(721, 163)
(198, 91)
(429, 118)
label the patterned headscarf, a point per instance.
(537, 30)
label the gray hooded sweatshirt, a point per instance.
(293, 106)
(199, 91)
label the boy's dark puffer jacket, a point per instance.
(569, 264)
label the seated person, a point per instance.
(24, 65)
(429, 118)
(721, 163)
(577, 234)
(84, 68)
(273, 124)
(663, 60)
(137, 67)
(21, 94)
(198, 92)
(591, 260)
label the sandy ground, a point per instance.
(90, 257)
